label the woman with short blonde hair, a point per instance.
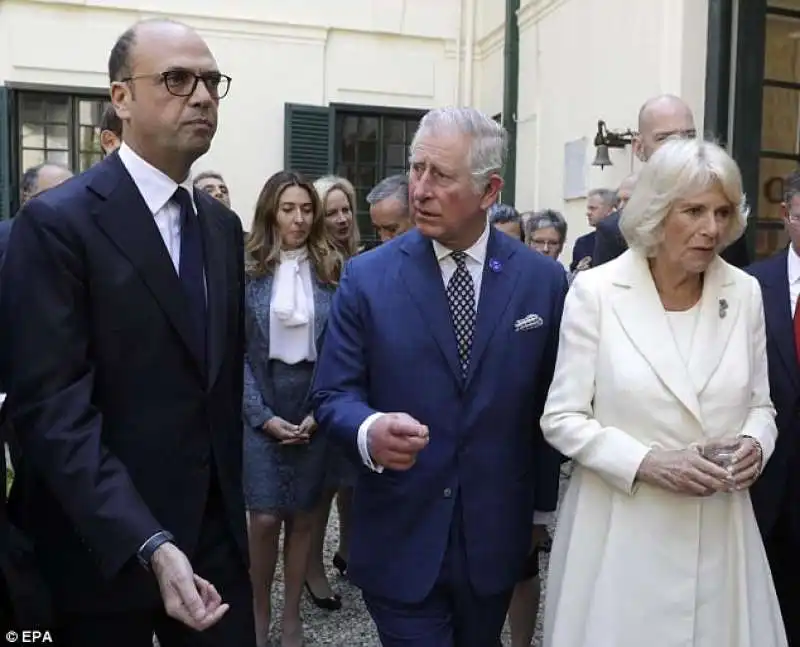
(661, 398)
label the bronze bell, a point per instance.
(602, 158)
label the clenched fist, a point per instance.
(395, 439)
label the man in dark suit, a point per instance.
(599, 204)
(776, 495)
(35, 180)
(122, 295)
(660, 119)
(439, 352)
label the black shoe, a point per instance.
(340, 564)
(333, 603)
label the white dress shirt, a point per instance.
(793, 272)
(476, 257)
(157, 190)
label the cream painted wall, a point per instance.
(375, 52)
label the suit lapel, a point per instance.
(497, 286)
(719, 311)
(422, 277)
(778, 314)
(641, 314)
(128, 223)
(214, 240)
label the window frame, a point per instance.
(339, 111)
(75, 94)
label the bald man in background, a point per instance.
(660, 119)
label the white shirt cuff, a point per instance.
(363, 442)
(543, 518)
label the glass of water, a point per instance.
(721, 452)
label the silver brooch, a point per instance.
(723, 308)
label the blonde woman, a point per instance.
(338, 198)
(292, 271)
(661, 398)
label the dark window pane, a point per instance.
(367, 152)
(368, 128)
(366, 177)
(345, 171)
(395, 155)
(399, 170)
(395, 131)
(59, 157)
(32, 135)
(411, 128)
(348, 150)
(31, 109)
(57, 137)
(57, 109)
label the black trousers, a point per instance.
(216, 559)
(783, 552)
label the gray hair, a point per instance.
(543, 220)
(30, 178)
(681, 168)
(489, 140)
(503, 213)
(608, 196)
(394, 186)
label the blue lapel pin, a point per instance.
(495, 265)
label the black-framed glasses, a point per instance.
(183, 83)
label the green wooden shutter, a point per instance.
(307, 145)
(5, 154)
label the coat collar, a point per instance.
(641, 314)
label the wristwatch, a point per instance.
(148, 549)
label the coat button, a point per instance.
(448, 493)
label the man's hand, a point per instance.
(395, 439)
(187, 597)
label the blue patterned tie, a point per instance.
(461, 298)
(191, 267)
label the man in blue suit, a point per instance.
(776, 494)
(439, 353)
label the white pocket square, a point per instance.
(529, 322)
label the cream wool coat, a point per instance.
(634, 565)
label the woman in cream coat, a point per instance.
(662, 351)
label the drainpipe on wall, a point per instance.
(469, 53)
(511, 97)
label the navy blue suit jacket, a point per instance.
(390, 347)
(119, 420)
(584, 246)
(777, 488)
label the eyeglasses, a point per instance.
(183, 83)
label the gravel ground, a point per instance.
(351, 626)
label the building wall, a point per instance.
(399, 53)
(581, 61)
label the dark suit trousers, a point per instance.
(217, 560)
(452, 615)
(783, 552)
